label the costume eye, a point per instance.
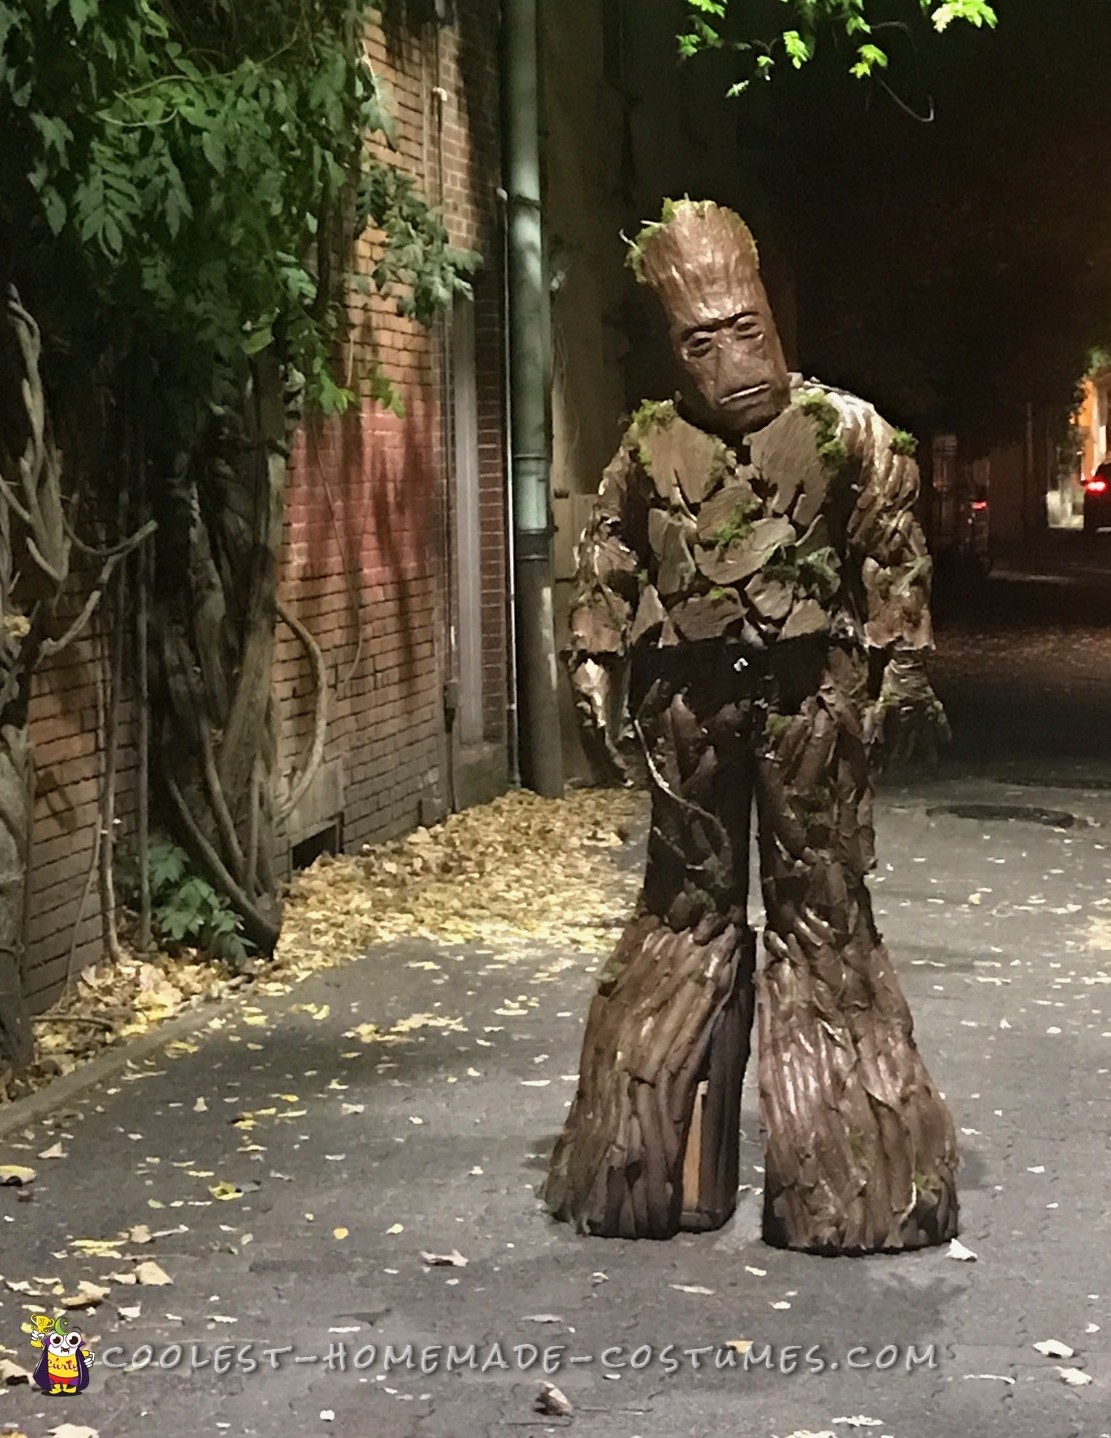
(746, 326)
(74, 1340)
(699, 345)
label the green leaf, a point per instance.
(215, 153)
(798, 49)
(82, 11)
(258, 340)
(55, 209)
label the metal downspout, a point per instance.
(541, 751)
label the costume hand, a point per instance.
(909, 722)
(592, 684)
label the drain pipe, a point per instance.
(512, 711)
(541, 749)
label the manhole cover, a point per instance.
(1022, 813)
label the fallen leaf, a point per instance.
(340, 1233)
(552, 1401)
(1075, 1377)
(15, 1174)
(783, 1304)
(1054, 1348)
(691, 1288)
(454, 1259)
(739, 1345)
(542, 1318)
(98, 1247)
(54, 1151)
(140, 1233)
(860, 1421)
(396, 1228)
(201, 1106)
(11, 1373)
(73, 1430)
(756, 1272)
(88, 1295)
(226, 1191)
(957, 1250)
(129, 1310)
(151, 1274)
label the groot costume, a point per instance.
(754, 588)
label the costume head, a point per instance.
(700, 260)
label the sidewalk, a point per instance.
(349, 1149)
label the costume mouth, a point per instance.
(738, 396)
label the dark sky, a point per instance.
(955, 269)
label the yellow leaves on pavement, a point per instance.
(516, 870)
(151, 1274)
(16, 1175)
(86, 1295)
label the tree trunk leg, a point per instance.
(669, 1014)
(861, 1151)
(672, 1015)
(710, 1165)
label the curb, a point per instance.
(33, 1107)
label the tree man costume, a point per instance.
(752, 568)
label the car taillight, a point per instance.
(1096, 486)
(979, 504)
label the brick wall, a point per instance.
(368, 545)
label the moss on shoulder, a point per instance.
(827, 419)
(904, 443)
(652, 414)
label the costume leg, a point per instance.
(650, 1144)
(861, 1153)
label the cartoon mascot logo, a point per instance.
(64, 1365)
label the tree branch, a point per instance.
(80, 624)
(320, 724)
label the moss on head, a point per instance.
(682, 212)
(904, 443)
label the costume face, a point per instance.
(702, 263)
(732, 354)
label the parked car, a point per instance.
(1097, 499)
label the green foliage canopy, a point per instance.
(707, 28)
(187, 168)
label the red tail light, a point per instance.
(979, 504)
(1096, 486)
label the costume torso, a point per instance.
(805, 528)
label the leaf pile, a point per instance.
(520, 869)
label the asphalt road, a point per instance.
(339, 1162)
(1023, 661)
